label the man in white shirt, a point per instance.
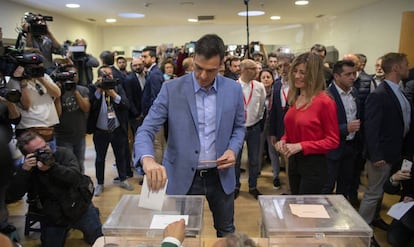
(254, 98)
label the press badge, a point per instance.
(111, 114)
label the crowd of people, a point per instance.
(186, 119)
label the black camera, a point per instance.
(45, 156)
(12, 58)
(107, 82)
(10, 94)
(33, 72)
(63, 76)
(69, 85)
(37, 23)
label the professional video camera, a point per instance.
(37, 23)
(65, 77)
(107, 82)
(12, 58)
(45, 156)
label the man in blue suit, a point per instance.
(205, 115)
(341, 161)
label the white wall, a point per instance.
(63, 28)
(372, 30)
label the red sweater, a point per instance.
(315, 127)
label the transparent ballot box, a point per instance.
(132, 226)
(312, 221)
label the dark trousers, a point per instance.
(307, 173)
(252, 139)
(118, 139)
(89, 224)
(221, 204)
(400, 234)
(340, 171)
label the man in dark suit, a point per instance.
(154, 79)
(205, 114)
(108, 121)
(279, 109)
(388, 131)
(133, 90)
(341, 161)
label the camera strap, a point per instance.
(111, 114)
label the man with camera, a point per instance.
(71, 130)
(39, 36)
(83, 61)
(37, 104)
(49, 177)
(108, 121)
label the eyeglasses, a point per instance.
(39, 89)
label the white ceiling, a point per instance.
(176, 12)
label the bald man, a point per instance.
(84, 62)
(254, 94)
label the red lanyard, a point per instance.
(285, 97)
(246, 102)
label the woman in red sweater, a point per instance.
(311, 126)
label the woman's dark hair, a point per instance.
(268, 71)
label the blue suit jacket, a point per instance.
(342, 121)
(277, 113)
(176, 104)
(152, 87)
(384, 127)
(133, 92)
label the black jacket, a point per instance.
(121, 109)
(336, 154)
(133, 91)
(44, 188)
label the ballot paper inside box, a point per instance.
(136, 226)
(311, 221)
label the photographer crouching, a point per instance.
(57, 191)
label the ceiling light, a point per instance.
(275, 17)
(192, 20)
(251, 13)
(72, 5)
(301, 2)
(131, 15)
(110, 20)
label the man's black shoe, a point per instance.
(255, 193)
(236, 193)
(374, 243)
(116, 180)
(381, 224)
(276, 184)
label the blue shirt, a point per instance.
(102, 122)
(206, 114)
(405, 105)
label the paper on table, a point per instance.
(150, 199)
(399, 209)
(160, 221)
(309, 211)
